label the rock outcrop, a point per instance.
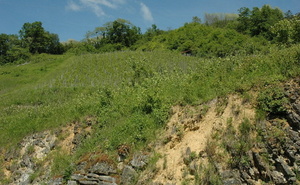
(99, 169)
(30, 165)
(276, 159)
(33, 149)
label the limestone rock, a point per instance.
(278, 178)
(139, 161)
(258, 162)
(77, 177)
(103, 168)
(85, 182)
(107, 179)
(284, 168)
(129, 175)
(56, 181)
(72, 183)
(294, 120)
(232, 181)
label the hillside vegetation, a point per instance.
(46, 94)
(206, 41)
(126, 90)
(128, 93)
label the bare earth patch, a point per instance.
(189, 129)
(66, 143)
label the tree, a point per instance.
(4, 47)
(153, 31)
(259, 20)
(244, 20)
(196, 19)
(98, 32)
(287, 31)
(4, 44)
(53, 45)
(34, 36)
(288, 14)
(283, 31)
(263, 19)
(11, 50)
(120, 33)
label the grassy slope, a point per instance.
(129, 93)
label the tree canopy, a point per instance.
(286, 31)
(11, 50)
(258, 20)
(34, 36)
(119, 32)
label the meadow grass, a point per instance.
(130, 93)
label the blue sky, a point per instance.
(71, 19)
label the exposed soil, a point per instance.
(188, 131)
(66, 143)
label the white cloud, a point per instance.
(98, 3)
(98, 7)
(73, 6)
(146, 13)
(95, 5)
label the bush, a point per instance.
(238, 143)
(206, 41)
(272, 100)
(209, 175)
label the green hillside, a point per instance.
(127, 83)
(125, 89)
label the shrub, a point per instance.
(238, 143)
(209, 175)
(272, 100)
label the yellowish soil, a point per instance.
(188, 128)
(6, 172)
(66, 143)
(68, 135)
